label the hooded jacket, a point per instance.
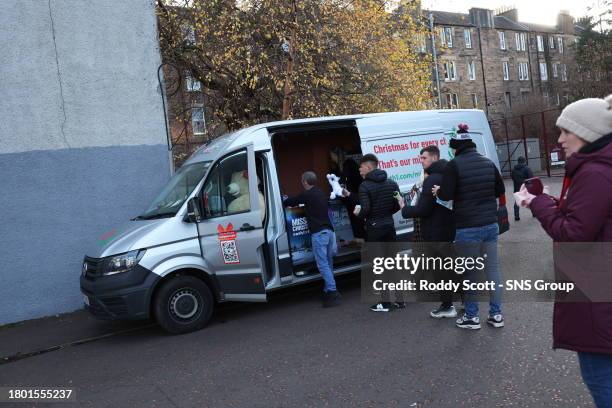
(583, 214)
(437, 221)
(520, 173)
(376, 199)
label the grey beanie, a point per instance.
(589, 119)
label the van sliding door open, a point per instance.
(397, 139)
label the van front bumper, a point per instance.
(125, 296)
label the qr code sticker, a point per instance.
(230, 252)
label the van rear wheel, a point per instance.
(183, 304)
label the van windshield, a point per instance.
(172, 197)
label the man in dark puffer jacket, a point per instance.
(474, 183)
(377, 208)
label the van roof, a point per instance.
(217, 146)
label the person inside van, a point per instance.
(474, 183)
(322, 234)
(348, 171)
(437, 224)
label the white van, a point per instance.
(218, 231)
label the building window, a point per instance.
(564, 72)
(198, 124)
(450, 71)
(508, 100)
(471, 71)
(189, 36)
(551, 42)
(560, 41)
(558, 100)
(422, 47)
(543, 72)
(474, 101)
(502, 40)
(446, 36)
(452, 101)
(555, 70)
(546, 98)
(540, 43)
(523, 71)
(506, 70)
(467, 36)
(521, 41)
(193, 85)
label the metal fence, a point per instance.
(533, 136)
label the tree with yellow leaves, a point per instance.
(261, 60)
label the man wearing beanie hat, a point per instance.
(583, 213)
(474, 183)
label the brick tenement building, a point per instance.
(496, 63)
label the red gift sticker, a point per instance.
(227, 242)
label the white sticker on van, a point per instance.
(400, 156)
(227, 243)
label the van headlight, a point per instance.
(122, 263)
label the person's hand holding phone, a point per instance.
(523, 197)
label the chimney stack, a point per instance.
(482, 17)
(509, 13)
(565, 22)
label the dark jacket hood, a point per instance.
(437, 167)
(597, 152)
(377, 176)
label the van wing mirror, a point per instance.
(194, 213)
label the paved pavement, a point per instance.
(292, 353)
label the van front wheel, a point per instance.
(183, 304)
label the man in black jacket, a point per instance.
(437, 224)
(474, 183)
(520, 173)
(322, 233)
(378, 204)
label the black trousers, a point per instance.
(377, 237)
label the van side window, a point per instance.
(226, 190)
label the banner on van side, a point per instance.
(399, 156)
(299, 234)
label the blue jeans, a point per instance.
(480, 241)
(596, 372)
(324, 247)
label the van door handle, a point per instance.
(247, 227)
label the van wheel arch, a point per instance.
(201, 276)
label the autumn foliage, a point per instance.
(262, 60)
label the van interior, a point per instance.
(307, 147)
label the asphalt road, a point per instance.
(292, 353)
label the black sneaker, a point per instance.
(465, 322)
(496, 320)
(399, 305)
(517, 218)
(442, 311)
(331, 299)
(381, 307)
